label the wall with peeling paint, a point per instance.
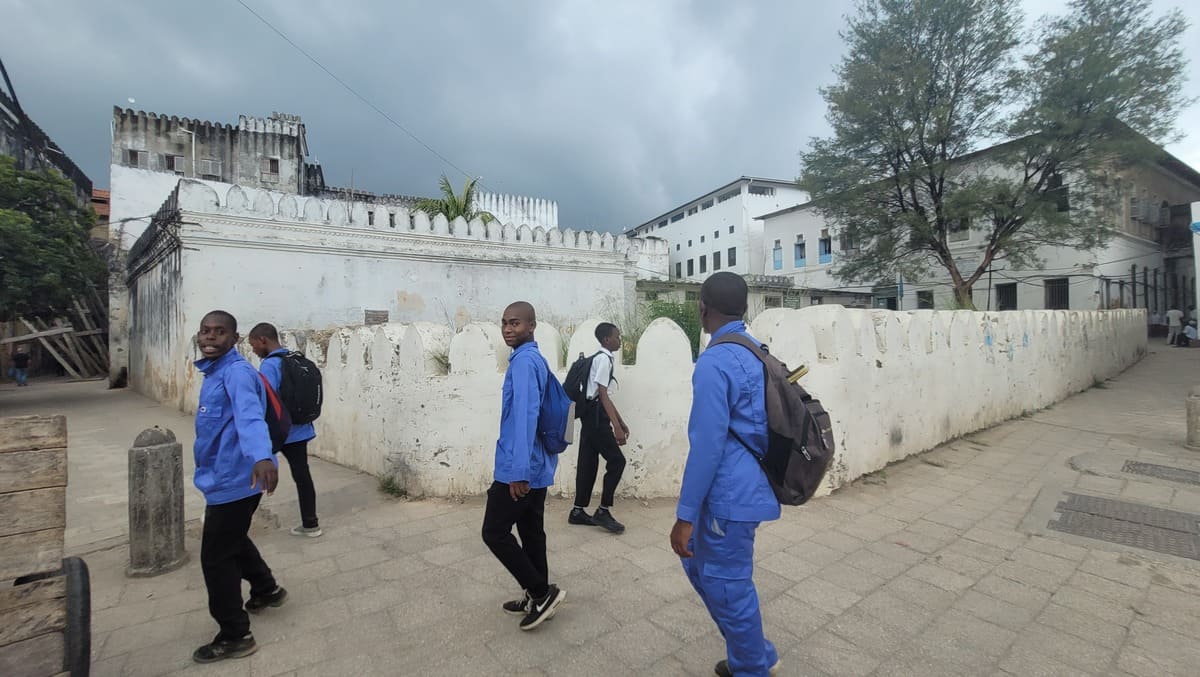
(422, 402)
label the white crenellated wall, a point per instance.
(518, 209)
(424, 403)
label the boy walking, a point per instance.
(523, 471)
(234, 466)
(264, 340)
(602, 434)
(20, 365)
(725, 494)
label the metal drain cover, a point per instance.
(1141, 526)
(1162, 472)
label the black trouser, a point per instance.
(596, 439)
(526, 561)
(296, 454)
(227, 556)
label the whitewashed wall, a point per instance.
(895, 384)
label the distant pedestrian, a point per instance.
(234, 466)
(1174, 324)
(1186, 336)
(20, 366)
(725, 493)
(602, 434)
(523, 471)
(264, 341)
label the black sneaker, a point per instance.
(518, 607)
(275, 598)
(579, 516)
(723, 670)
(543, 608)
(604, 518)
(220, 649)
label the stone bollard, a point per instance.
(1193, 419)
(155, 504)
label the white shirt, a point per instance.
(601, 374)
(1190, 332)
(1174, 317)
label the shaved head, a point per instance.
(523, 310)
(725, 293)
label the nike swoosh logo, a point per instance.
(542, 607)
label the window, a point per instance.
(174, 163)
(703, 264)
(391, 220)
(138, 158)
(706, 204)
(677, 245)
(370, 218)
(773, 301)
(846, 242)
(677, 217)
(925, 300)
(731, 257)
(777, 256)
(701, 238)
(1060, 193)
(270, 170)
(662, 224)
(1058, 294)
(825, 249)
(762, 190)
(729, 195)
(209, 169)
(689, 243)
(716, 234)
(1006, 296)
(799, 258)
(678, 270)
(693, 210)
(731, 230)
(691, 267)
(960, 229)
(716, 260)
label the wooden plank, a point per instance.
(37, 657)
(32, 620)
(33, 592)
(25, 433)
(54, 353)
(30, 554)
(24, 511)
(36, 469)
(77, 349)
(37, 334)
(90, 330)
(63, 345)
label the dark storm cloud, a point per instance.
(617, 110)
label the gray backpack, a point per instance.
(799, 432)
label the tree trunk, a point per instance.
(963, 297)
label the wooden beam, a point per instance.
(41, 655)
(33, 592)
(37, 469)
(79, 351)
(37, 335)
(33, 620)
(22, 512)
(54, 353)
(25, 433)
(31, 553)
(85, 316)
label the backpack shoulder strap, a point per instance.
(758, 349)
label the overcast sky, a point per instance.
(617, 110)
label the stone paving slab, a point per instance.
(939, 565)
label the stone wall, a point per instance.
(423, 402)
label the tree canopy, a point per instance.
(453, 205)
(45, 259)
(949, 118)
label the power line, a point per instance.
(360, 97)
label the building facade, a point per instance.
(720, 230)
(1148, 262)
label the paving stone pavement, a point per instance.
(938, 565)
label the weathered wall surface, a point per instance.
(423, 403)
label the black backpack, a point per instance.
(279, 422)
(576, 382)
(799, 432)
(300, 387)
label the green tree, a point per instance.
(926, 84)
(44, 257)
(452, 205)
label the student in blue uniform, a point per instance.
(523, 472)
(725, 494)
(234, 466)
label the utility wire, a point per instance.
(353, 91)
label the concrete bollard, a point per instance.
(155, 504)
(1193, 419)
